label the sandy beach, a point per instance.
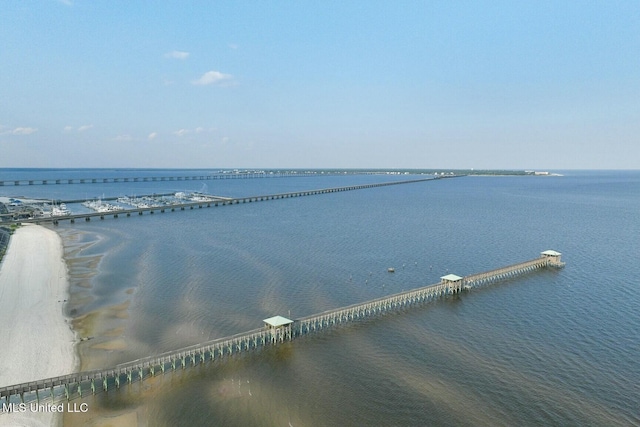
(37, 341)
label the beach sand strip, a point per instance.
(37, 340)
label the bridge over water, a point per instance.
(211, 176)
(216, 201)
(276, 330)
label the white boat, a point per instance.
(60, 210)
(100, 206)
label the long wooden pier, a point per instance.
(276, 330)
(216, 201)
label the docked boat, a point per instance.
(60, 210)
(100, 206)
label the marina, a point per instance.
(183, 201)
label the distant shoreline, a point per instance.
(264, 171)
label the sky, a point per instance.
(325, 84)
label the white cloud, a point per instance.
(66, 2)
(152, 136)
(123, 137)
(233, 46)
(212, 77)
(176, 54)
(23, 131)
(198, 130)
(80, 129)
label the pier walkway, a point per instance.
(276, 330)
(217, 201)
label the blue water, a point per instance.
(551, 348)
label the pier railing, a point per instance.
(74, 385)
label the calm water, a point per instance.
(551, 348)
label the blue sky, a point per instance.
(517, 85)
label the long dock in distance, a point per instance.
(276, 330)
(213, 176)
(217, 201)
(230, 174)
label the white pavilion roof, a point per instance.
(276, 321)
(451, 278)
(551, 253)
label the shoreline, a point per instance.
(95, 317)
(34, 289)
